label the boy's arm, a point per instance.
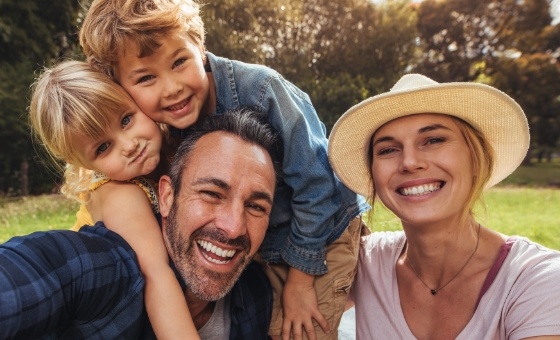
(127, 211)
(299, 301)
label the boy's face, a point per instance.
(170, 85)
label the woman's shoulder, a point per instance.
(530, 255)
(383, 241)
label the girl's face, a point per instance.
(130, 146)
(170, 85)
(422, 168)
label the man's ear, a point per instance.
(165, 195)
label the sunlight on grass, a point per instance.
(528, 212)
(28, 214)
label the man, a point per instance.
(214, 204)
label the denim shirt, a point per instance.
(311, 206)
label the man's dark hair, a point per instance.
(244, 123)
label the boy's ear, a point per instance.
(165, 195)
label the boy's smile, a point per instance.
(170, 85)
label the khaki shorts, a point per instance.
(331, 288)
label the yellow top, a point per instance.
(83, 216)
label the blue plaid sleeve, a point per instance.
(69, 284)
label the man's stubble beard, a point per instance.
(205, 284)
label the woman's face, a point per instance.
(422, 168)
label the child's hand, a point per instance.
(299, 304)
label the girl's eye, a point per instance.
(126, 120)
(102, 148)
(179, 62)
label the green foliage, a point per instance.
(338, 51)
(32, 34)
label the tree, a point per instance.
(339, 52)
(507, 43)
(32, 34)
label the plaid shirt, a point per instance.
(87, 284)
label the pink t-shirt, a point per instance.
(523, 300)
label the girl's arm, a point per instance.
(125, 209)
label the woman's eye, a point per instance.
(385, 151)
(435, 140)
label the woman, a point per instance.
(427, 151)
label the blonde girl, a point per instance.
(112, 151)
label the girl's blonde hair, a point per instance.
(110, 24)
(71, 100)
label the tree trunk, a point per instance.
(24, 178)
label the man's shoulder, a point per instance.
(253, 277)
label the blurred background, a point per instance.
(338, 51)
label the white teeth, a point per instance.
(216, 250)
(178, 106)
(420, 189)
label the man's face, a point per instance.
(218, 220)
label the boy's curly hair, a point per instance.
(110, 24)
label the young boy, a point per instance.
(155, 50)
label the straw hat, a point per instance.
(494, 113)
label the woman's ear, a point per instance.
(165, 195)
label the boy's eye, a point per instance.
(179, 62)
(126, 120)
(145, 79)
(102, 148)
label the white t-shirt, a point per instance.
(523, 300)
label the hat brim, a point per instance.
(500, 119)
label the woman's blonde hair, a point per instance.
(110, 24)
(71, 100)
(482, 157)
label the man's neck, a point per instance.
(200, 310)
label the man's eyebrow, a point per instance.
(256, 195)
(261, 195)
(213, 180)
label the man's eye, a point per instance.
(211, 194)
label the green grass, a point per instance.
(20, 216)
(531, 211)
(535, 175)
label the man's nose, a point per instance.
(231, 220)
